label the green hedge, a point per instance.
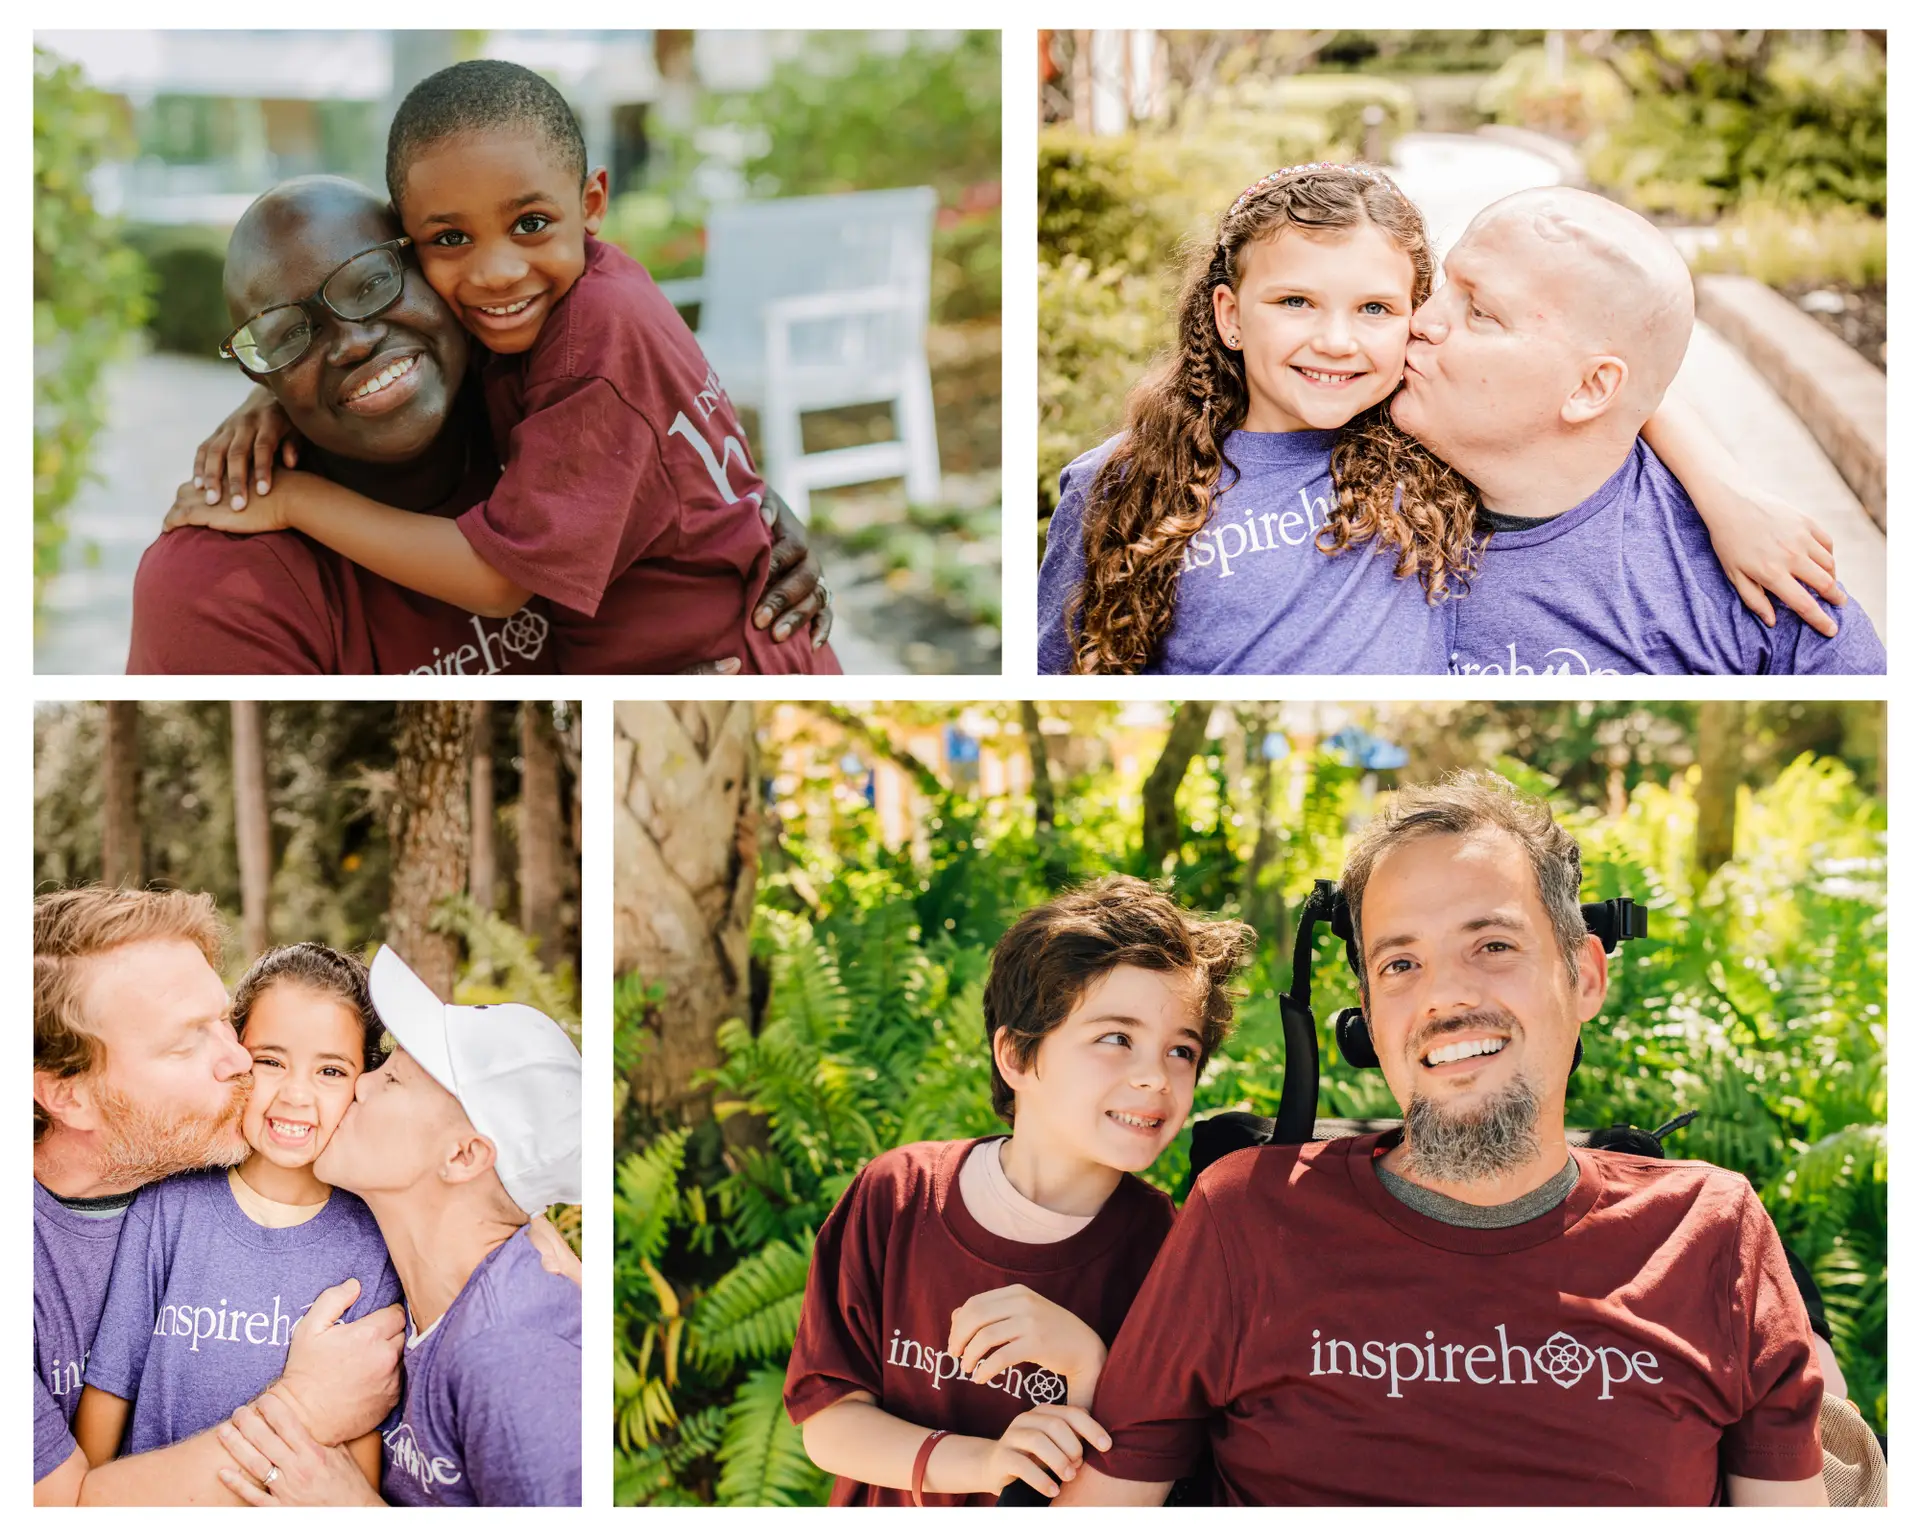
(1799, 126)
(88, 296)
(185, 263)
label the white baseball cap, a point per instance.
(513, 1069)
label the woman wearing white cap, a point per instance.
(470, 1128)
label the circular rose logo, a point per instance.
(1564, 1358)
(525, 633)
(1043, 1386)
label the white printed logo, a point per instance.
(525, 635)
(707, 402)
(1562, 1360)
(404, 1451)
(1569, 661)
(1224, 540)
(1038, 1384)
(1044, 1386)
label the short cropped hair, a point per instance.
(1044, 964)
(480, 96)
(1473, 801)
(319, 969)
(70, 928)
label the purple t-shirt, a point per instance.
(204, 1299)
(72, 1258)
(1256, 595)
(1627, 582)
(491, 1410)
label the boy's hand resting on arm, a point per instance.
(238, 455)
(1015, 1325)
(1044, 1447)
(426, 554)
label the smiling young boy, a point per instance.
(963, 1294)
(628, 499)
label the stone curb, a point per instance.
(1839, 395)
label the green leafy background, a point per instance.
(1760, 1000)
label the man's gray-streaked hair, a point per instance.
(1464, 802)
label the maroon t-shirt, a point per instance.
(1327, 1345)
(901, 1253)
(628, 498)
(207, 602)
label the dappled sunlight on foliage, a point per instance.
(1759, 1000)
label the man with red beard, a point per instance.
(1468, 1310)
(137, 1074)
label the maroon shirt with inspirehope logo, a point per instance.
(897, 1256)
(1327, 1345)
(628, 498)
(209, 602)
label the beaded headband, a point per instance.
(1313, 165)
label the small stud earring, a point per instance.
(1234, 342)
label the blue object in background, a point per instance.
(1357, 749)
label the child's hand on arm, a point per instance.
(245, 442)
(1764, 545)
(424, 553)
(856, 1438)
(1014, 1324)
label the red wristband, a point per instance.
(920, 1464)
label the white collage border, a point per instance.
(1019, 597)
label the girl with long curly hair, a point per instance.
(1262, 447)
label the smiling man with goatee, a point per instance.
(1467, 1310)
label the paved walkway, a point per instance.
(159, 407)
(1453, 176)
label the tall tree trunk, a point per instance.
(1721, 728)
(686, 856)
(1257, 723)
(120, 810)
(480, 797)
(541, 829)
(252, 831)
(1037, 752)
(1159, 817)
(428, 832)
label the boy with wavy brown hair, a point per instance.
(963, 1293)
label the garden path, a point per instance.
(1453, 176)
(158, 408)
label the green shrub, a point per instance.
(185, 263)
(1586, 98)
(1110, 199)
(1099, 331)
(844, 117)
(1784, 246)
(1340, 104)
(88, 296)
(1801, 125)
(966, 268)
(663, 237)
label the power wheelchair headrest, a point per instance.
(1612, 922)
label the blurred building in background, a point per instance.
(215, 118)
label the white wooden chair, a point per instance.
(810, 303)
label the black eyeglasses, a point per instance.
(358, 289)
